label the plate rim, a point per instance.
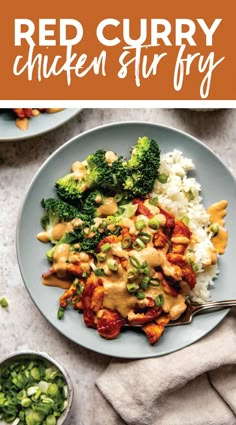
(25, 136)
(223, 313)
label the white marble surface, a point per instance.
(22, 326)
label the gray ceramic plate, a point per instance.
(217, 183)
(37, 125)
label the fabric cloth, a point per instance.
(196, 385)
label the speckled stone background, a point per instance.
(21, 325)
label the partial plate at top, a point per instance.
(37, 125)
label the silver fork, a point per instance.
(194, 308)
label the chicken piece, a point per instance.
(170, 220)
(109, 324)
(154, 330)
(112, 239)
(168, 288)
(180, 237)
(142, 209)
(74, 269)
(63, 300)
(146, 316)
(91, 300)
(160, 239)
(188, 273)
(97, 298)
(178, 248)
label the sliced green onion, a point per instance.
(101, 257)
(134, 262)
(144, 283)
(140, 295)
(84, 274)
(60, 313)
(154, 282)
(105, 247)
(76, 281)
(3, 302)
(162, 178)
(26, 402)
(79, 289)
(93, 266)
(190, 195)
(110, 219)
(138, 244)
(154, 223)
(185, 220)
(159, 300)
(99, 272)
(214, 228)
(132, 287)
(132, 275)
(126, 242)
(153, 201)
(140, 224)
(112, 265)
(102, 225)
(118, 197)
(35, 373)
(32, 390)
(145, 237)
(51, 420)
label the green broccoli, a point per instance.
(101, 173)
(131, 178)
(98, 174)
(70, 189)
(141, 169)
(56, 211)
(90, 203)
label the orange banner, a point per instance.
(110, 51)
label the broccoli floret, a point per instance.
(101, 172)
(142, 168)
(56, 211)
(98, 174)
(132, 178)
(90, 204)
(70, 188)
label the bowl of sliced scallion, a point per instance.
(34, 390)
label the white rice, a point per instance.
(181, 196)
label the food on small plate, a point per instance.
(130, 239)
(23, 115)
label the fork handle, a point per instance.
(213, 305)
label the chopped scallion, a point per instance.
(105, 247)
(162, 178)
(159, 300)
(153, 201)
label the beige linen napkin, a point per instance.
(193, 386)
